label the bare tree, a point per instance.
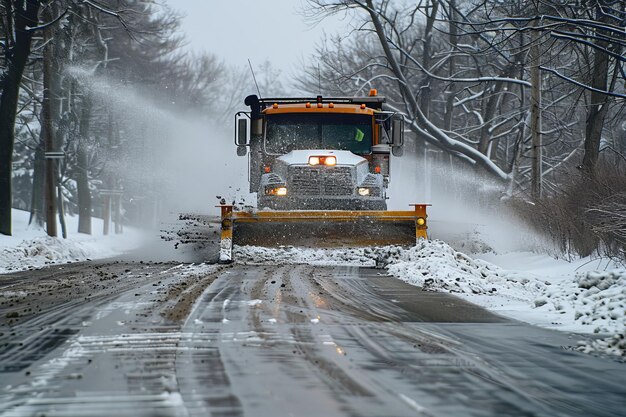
(20, 19)
(399, 60)
(480, 53)
(90, 39)
(591, 30)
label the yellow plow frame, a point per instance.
(342, 223)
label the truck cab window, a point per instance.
(318, 131)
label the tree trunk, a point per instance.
(425, 91)
(37, 205)
(425, 95)
(535, 117)
(597, 107)
(453, 39)
(61, 210)
(490, 111)
(118, 215)
(26, 16)
(82, 177)
(106, 214)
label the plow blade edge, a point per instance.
(321, 229)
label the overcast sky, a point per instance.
(236, 30)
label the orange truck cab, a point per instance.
(319, 153)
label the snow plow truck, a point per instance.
(320, 168)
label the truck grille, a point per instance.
(330, 181)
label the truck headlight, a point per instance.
(363, 191)
(330, 160)
(280, 191)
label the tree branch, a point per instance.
(585, 86)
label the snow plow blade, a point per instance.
(320, 228)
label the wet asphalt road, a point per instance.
(200, 340)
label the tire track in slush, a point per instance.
(306, 341)
(121, 362)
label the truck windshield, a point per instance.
(287, 132)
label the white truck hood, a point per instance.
(301, 157)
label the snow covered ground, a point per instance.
(583, 297)
(30, 247)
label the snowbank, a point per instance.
(30, 247)
(596, 299)
(433, 265)
(536, 290)
(588, 302)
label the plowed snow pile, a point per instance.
(433, 265)
(39, 252)
(30, 247)
(587, 302)
(597, 301)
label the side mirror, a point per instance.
(242, 150)
(397, 132)
(241, 138)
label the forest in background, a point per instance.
(529, 95)
(99, 84)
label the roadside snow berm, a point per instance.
(320, 168)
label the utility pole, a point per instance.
(50, 175)
(535, 113)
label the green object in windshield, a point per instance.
(359, 135)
